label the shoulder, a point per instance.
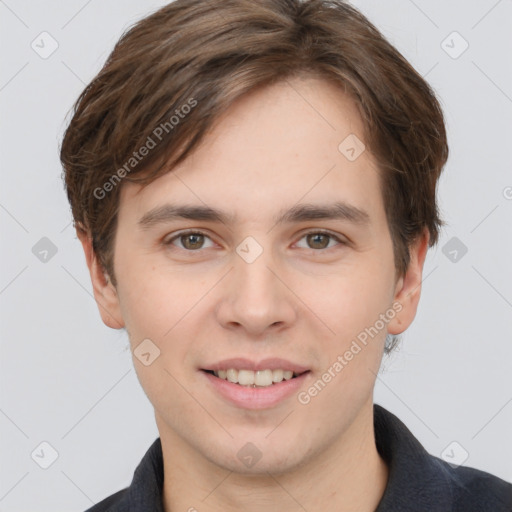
(477, 490)
(421, 481)
(113, 503)
(145, 491)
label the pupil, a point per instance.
(314, 239)
(196, 241)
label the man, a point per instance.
(254, 187)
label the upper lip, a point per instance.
(241, 363)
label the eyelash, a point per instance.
(169, 241)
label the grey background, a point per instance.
(68, 380)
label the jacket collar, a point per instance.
(426, 479)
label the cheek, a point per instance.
(348, 301)
(166, 386)
(351, 305)
(160, 309)
(154, 302)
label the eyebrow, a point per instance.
(298, 213)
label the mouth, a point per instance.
(255, 379)
(255, 385)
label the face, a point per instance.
(282, 264)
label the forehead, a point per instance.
(273, 147)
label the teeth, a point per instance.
(260, 378)
(277, 375)
(245, 377)
(232, 375)
(263, 378)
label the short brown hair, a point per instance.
(204, 54)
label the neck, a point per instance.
(348, 475)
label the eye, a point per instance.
(321, 239)
(192, 241)
(189, 240)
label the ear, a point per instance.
(105, 293)
(408, 286)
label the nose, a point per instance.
(256, 297)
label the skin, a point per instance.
(302, 299)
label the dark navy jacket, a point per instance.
(418, 481)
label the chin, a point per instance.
(260, 455)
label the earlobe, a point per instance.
(104, 291)
(408, 287)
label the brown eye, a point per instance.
(188, 241)
(192, 241)
(318, 240)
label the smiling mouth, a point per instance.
(255, 379)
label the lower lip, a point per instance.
(256, 398)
